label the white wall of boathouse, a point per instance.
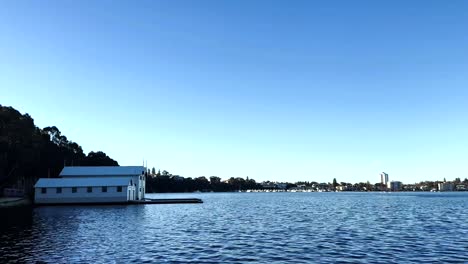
(109, 184)
(136, 173)
(66, 195)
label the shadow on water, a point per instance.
(16, 225)
(17, 218)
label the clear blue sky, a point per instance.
(279, 90)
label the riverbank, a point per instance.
(9, 202)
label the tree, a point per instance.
(54, 133)
(335, 183)
(166, 184)
(28, 152)
(99, 159)
(214, 180)
(201, 183)
(153, 171)
(251, 184)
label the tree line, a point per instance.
(163, 182)
(28, 152)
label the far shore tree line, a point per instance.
(164, 182)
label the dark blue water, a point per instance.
(243, 227)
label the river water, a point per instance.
(246, 227)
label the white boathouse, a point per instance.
(107, 184)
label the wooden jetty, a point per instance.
(168, 201)
(133, 202)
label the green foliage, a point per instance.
(99, 159)
(28, 152)
(165, 183)
(215, 181)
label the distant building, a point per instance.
(323, 186)
(384, 178)
(268, 185)
(424, 188)
(395, 186)
(410, 187)
(445, 186)
(301, 187)
(106, 184)
(342, 188)
(282, 186)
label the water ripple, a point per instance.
(247, 227)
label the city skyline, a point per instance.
(283, 92)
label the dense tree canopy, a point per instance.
(165, 182)
(335, 183)
(28, 152)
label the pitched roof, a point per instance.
(82, 182)
(102, 171)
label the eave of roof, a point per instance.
(82, 182)
(102, 171)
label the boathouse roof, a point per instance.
(82, 182)
(85, 171)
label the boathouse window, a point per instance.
(119, 188)
(104, 188)
(73, 189)
(43, 190)
(89, 189)
(58, 190)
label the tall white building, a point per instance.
(107, 184)
(384, 178)
(446, 186)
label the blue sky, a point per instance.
(278, 90)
